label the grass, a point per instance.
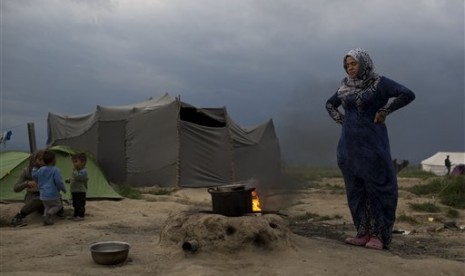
(4, 222)
(333, 187)
(453, 194)
(313, 173)
(450, 190)
(308, 177)
(415, 172)
(407, 219)
(452, 213)
(427, 207)
(160, 192)
(134, 193)
(305, 217)
(314, 217)
(434, 186)
(128, 192)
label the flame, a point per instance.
(255, 202)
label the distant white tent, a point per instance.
(435, 163)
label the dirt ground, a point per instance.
(300, 232)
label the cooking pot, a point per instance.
(231, 200)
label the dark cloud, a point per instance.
(260, 59)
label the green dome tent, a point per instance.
(13, 162)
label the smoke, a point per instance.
(307, 134)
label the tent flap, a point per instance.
(11, 159)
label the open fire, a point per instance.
(255, 202)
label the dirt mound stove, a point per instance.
(208, 232)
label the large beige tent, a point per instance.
(167, 142)
(435, 163)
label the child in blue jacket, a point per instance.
(50, 184)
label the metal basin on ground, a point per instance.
(109, 252)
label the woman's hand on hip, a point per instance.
(380, 117)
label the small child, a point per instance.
(78, 185)
(50, 184)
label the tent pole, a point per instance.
(231, 147)
(178, 161)
(32, 137)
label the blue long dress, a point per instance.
(363, 155)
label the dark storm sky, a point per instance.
(261, 59)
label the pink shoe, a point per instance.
(375, 243)
(360, 241)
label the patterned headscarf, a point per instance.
(367, 78)
(32, 159)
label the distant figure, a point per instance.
(78, 185)
(50, 184)
(363, 152)
(448, 164)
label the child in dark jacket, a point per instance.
(78, 185)
(50, 184)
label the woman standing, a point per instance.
(363, 152)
